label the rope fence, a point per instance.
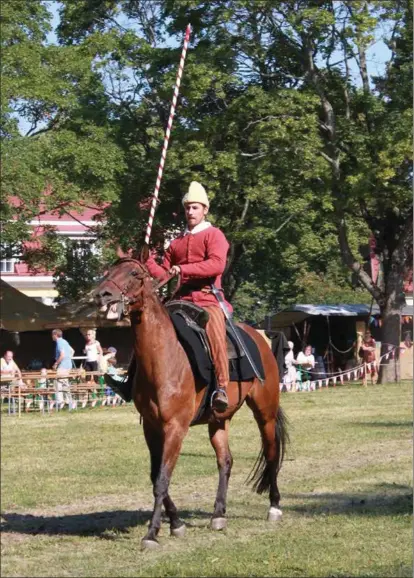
(355, 373)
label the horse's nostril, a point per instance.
(102, 294)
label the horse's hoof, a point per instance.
(149, 544)
(178, 532)
(218, 523)
(274, 515)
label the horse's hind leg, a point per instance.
(219, 438)
(272, 426)
(155, 446)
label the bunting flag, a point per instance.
(368, 367)
(349, 375)
(312, 386)
(355, 375)
(320, 383)
(386, 356)
(334, 380)
(341, 378)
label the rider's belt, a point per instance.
(189, 288)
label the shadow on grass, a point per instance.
(387, 500)
(407, 423)
(106, 524)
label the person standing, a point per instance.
(289, 379)
(63, 364)
(199, 255)
(367, 352)
(92, 350)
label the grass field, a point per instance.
(76, 497)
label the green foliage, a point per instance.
(252, 123)
(78, 269)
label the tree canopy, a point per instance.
(304, 152)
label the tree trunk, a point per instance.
(391, 330)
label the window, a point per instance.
(7, 265)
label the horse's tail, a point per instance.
(262, 471)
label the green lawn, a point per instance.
(76, 496)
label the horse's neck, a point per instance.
(152, 329)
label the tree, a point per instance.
(67, 157)
(238, 134)
(302, 163)
(364, 132)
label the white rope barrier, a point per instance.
(357, 371)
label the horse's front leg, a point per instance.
(219, 438)
(164, 448)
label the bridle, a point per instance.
(134, 276)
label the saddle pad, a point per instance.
(201, 364)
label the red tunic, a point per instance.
(202, 259)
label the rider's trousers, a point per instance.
(216, 333)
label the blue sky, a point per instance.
(377, 55)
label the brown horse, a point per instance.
(167, 397)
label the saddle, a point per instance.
(190, 321)
(196, 318)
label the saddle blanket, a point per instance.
(201, 364)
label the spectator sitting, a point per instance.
(9, 367)
(113, 370)
(107, 354)
(306, 361)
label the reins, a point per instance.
(125, 301)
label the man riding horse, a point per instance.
(199, 255)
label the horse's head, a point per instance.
(120, 291)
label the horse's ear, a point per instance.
(145, 252)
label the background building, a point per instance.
(77, 226)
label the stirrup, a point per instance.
(215, 392)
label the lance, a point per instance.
(167, 135)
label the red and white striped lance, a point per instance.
(167, 134)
